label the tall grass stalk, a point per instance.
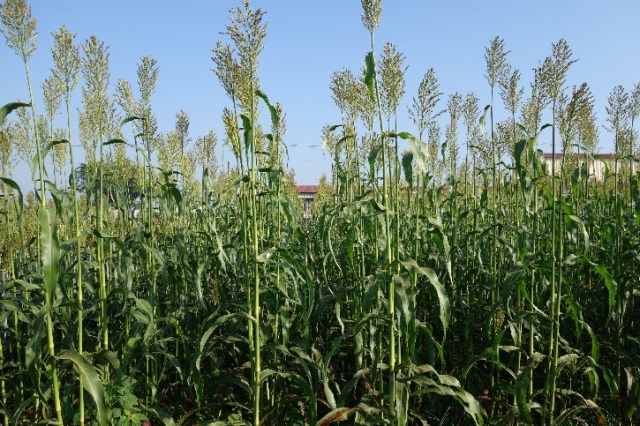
(66, 58)
(20, 35)
(372, 10)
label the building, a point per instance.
(306, 193)
(596, 163)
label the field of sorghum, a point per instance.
(431, 286)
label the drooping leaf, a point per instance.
(128, 119)
(13, 185)
(372, 158)
(91, 383)
(247, 127)
(609, 283)
(50, 145)
(8, 108)
(275, 118)
(443, 300)
(522, 385)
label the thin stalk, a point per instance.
(76, 209)
(100, 251)
(550, 383)
(256, 271)
(387, 225)
(43, 205)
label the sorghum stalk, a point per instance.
(371, 20)
(67, 61)
(20, 34)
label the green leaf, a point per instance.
(157, 412)
(18, 413)
(609, 282)
(373, 155)
(522, 386)
(564, 360)
(483, 119)
(128, 119)
(114, 142)
(144, 306)
(50, 249)
(246, 127)
(13, 185)
(583, 228)
(445, 310)
(405, 301)
(372, 289)
(91, 383)
(407, 167)
(6, 110)
(518, 150)
(420, 153)
(50, 145)
(275, 118)
(34, 346)
(369, 73)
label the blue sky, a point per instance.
(308, 40)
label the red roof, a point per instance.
(581, 155)
(307, 188)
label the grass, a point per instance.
(492, 294)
